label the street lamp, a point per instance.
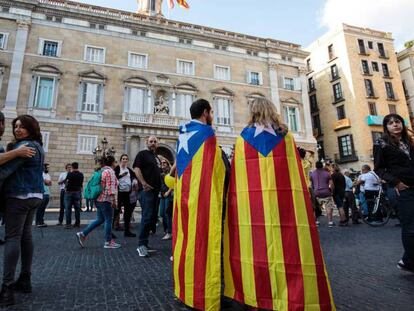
(102, 151)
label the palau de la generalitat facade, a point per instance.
(88, 72)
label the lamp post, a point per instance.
(102, 151)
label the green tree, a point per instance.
(409, 44)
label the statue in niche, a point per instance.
(161, 105)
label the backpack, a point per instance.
(93, 188)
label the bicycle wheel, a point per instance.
(382, 215)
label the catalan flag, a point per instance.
(197, 217)
(272, 254)
(183, 4)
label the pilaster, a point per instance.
(274, 85)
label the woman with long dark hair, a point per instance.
(24, 194)
(126, 177)
(394, 163)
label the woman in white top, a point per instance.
(370, 185)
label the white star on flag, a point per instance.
(260, 129)
(183, 140)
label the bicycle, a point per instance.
(382, 208)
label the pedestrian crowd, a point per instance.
(115, 188)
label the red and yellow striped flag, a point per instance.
(183, 4)
(272, 254)
(197, 218)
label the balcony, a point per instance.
(366, 72)
(150, 119)
(336, 100)
(346, 159)
(342, 124)
(392, 98)
(387, 74)
(362, 50)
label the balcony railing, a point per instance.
(383, 54)
(346, 159)
(387, 74)
(337, 99)
(169, 121)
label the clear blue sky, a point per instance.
(294, 21)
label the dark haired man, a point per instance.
(201, 111)
(147, 168)
(74, 184)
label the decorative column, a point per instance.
(16, 68)
(274, 85)
(173, 104)
(306, 106)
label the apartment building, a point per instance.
(406, 66)
(353, 82)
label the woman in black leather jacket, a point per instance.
(394, 162)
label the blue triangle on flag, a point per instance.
(264, 142)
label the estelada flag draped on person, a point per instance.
(197, 217)
(272, 254)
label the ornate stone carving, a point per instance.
(161, 103)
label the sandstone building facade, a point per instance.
(88, 72)
(406, 66)
(353, 82)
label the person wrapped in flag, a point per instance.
(197, 215)
(272, 254)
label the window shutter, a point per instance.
(248, 77)
(260, 78)
(40, 47)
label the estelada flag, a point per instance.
(197, 217)
(272, 254)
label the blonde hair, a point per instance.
(263, 112)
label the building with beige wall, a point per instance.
(88, 72)
(353, 82)
(406, 66)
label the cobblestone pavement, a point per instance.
(361, 263)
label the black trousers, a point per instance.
(406, 209)
(350, 204)
(62, 205)
(123, 200)
(19, 218)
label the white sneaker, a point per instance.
(331, 224)
(112, 244)
(142, 251)
(167, 236)
(317, 223)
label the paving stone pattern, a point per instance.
(361, 264)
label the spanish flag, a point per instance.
(183, 4)
(272, 255)
(197, 217)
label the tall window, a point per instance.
(185, 67)
(221, 72)
(361, 46)
(390, 90)
(392, 108)
(291, 115)
(369, 88)
(309, 64)
(407, 95)
(50, 48)
(381, 49)
(3, 41)
(86, 143)
(222, 111)
(311, 83)
(346, 146)
(183, 103)
(44, 90)
(365, 67)
(334, 72)
(94, 54)
(331, 52)
(316, 120)
(370, 45)
(372, 109)
(337, 89)
(137, 100)
(313, 103)
(289, 84)
(91, 96)
(340, 111)
(385, 70)
(255, 78)
(136, 60)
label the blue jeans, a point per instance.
(72, 199)
(104, 214)
(363, 203)
(166, 216)
(406, 211)
(148, 200)
(40, 213)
